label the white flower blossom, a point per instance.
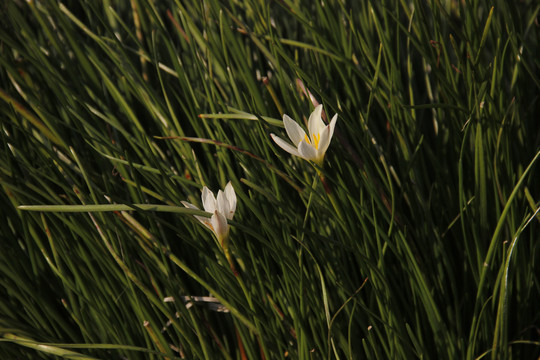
(311, 146)
(222, 209)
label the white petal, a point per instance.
(208, 200)
(307, 151)
(285, 145)
(326, 137)
(231, 197)
(315, 123)
(203, 219)
(323, 142)
(222, 204)
(332, 126)
(189, 205)
(294, 131)
(220, 226)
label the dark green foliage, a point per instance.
(419, 240)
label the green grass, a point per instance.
(422, 243)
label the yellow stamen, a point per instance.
(316, 138)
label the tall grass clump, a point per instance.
(417, 237)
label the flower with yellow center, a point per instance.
(222, 209)
(311, 146)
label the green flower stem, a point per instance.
(229, 259)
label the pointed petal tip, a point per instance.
(286, 146)
(230, 194)
(294, 131)
(334, 120)
(315, 122)
(189, 205)
(208, 200)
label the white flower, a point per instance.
(222, 208)
(312, 147)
